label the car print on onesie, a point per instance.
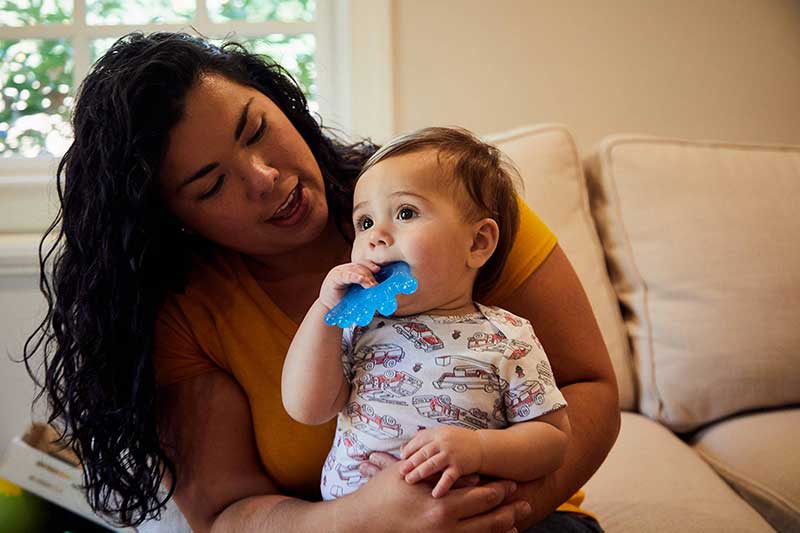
(363, 418)
(387, 355)
(420, 336)
(519, 400)
(387, 386)
(441, 409)
(499, 343)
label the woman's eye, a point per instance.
(213, 190)
(364, 223)
(406, 213)
(259, 132)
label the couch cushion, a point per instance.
(701, 243)
(555, 187)
(757, 455)
(652, 481)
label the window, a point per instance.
(48, 46)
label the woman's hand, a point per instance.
(336, 283)
(465, 509)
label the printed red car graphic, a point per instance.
(518, 401)
(465, 377)
(354, 448)
(363, 418)
(497, 342)
(420, 336)
(387, 355)
(384, 387)
(441, 409)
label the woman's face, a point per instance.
(238, 173)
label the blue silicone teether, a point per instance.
(359, 304)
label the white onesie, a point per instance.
(484, 370)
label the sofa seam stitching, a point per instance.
(642, 282)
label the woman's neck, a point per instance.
(318, 256)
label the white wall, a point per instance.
(21, 308)
(721, 69)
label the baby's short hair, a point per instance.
(478, 169)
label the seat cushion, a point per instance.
(652, 481)
(758, 455)
(701, 243)
(555, 188)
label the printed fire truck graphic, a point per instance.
(354, 448)
(363, 417)
(383, 388)
(545, 373)
(497, 342)
(472, 374)
(387, 355)
(518, 401)
(420, 336)
(441, 409)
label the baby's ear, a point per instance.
(485, 234)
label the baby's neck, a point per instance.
(458, 307)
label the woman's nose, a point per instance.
(259, 178)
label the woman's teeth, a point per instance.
(288, 206)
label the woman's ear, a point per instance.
(485, 234)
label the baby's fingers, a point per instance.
(426, 467)
(448, 479)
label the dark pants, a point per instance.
(564, 522)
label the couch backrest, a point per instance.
(701, 240)
(555, 188)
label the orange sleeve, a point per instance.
(176, 353)
(533, 244)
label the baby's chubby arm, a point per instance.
(521, 452)
(313, 386)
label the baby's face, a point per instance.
(404, 210)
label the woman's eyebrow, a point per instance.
(242, 120)
(238, 133)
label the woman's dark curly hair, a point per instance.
(118, 252)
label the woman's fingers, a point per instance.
(501, 519)
(368, 469)
(473, 501)
(467, 481)
(382, 460)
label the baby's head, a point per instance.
(443, 201)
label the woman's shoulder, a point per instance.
(533, 243)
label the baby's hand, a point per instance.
(454, 451)
(341, 277)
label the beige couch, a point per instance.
(689, 253)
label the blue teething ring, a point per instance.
(359, 304)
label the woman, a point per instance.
(201, 208)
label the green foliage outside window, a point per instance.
(36, 75)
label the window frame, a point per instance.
(330, 72)
(355, 84)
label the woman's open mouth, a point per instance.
(293, 208)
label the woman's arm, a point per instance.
(313, 386)
(553, 299)
(206, 428)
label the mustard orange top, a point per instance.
(225, 321)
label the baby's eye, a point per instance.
(364, 223)
(406, 213)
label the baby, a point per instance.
(449, 386)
